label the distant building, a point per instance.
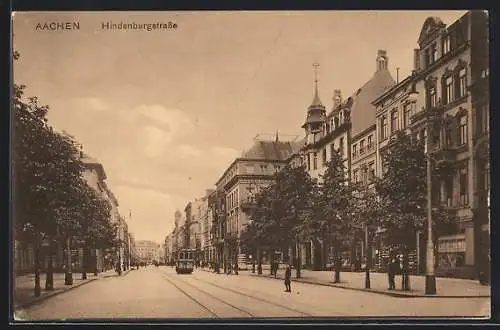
(147, 251)
(239, 183)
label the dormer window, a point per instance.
(446, 44)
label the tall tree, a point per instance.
(297, 191)
(403, 188)
(332, 219)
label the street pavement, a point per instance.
(158, 292)
(445, 287)
(24, 286)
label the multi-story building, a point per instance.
(148, 251)
(217, 209)
(167, 253)
(348, 128)
(192, 226)
(241, 180)
(201, 216)
(449, 88)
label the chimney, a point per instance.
(337, 98)
(416, 60)
(382, 60)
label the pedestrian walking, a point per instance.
(392, 269)
(288, 279)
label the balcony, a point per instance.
(433, 113)
(444, 155)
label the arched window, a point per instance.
(460, 80)
(462, 129)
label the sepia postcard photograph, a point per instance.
(241, 165)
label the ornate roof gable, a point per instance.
(429, 29)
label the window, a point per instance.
(449, 89)
(406, 115)
(362, 147)
(446, 45)
(364, 175)
(355, 177)
(482, 120)
(332, 150)
(463, 186)
(462, 83)
(308, 162)
(394, 120)
(371, 172)
(341, 146)
(324, 156)
(354, 150)
(315, 161)
(427, 58)
(433, 53)
(463, 130)
(448, 186)
(370, 142)
(383, 127)
(432, 96)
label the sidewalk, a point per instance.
(24, 286)
(445, 287)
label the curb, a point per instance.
(50, 295)
(376, 291)
(55, 293)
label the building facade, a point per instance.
(241, 180)
(449, 65)
(148, 251)
(348, 128)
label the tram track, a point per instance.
(254, 297)
(237, 292)
(168, 278)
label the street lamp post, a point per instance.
(367, 261)
(430, 278)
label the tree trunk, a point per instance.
(271, 262)
(84, 263)
(38, 289)
(259, 262)
(254, 256)
(49, 275)
(95, 262)
(298, 259)
(68, 275)
(336, 262)
(405, 278)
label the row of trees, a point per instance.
(333, 211)
(52, 202)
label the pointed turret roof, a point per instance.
(316, 102)
(316, 111)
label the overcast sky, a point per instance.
(167, 111)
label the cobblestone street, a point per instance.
(160, 293)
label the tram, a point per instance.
(185, 261)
